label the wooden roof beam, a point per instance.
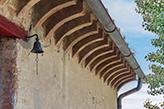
(83, 43)
(76, 36)
(94, 57)
(91, 48)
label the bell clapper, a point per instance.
(37, 60)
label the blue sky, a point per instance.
(125, 17)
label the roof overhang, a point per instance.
(105, 19)
(83, 31)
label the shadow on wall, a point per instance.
(36, 99)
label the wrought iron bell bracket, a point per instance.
(37, 46)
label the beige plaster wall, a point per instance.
(61, 83)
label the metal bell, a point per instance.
(37, 47)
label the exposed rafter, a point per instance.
(73, 24)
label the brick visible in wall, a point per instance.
(8, 73)
(2, 3)
(11, 10)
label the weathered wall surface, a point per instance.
(61, 83)
(8, 73)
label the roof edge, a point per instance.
(101, 13)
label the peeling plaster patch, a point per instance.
(36, 98)
(0, 84)
(0, 62)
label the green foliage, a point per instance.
(156, 80)
(152, 12)
(148, 104)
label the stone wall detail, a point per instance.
(8, 73)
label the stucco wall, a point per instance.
(61, 83)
